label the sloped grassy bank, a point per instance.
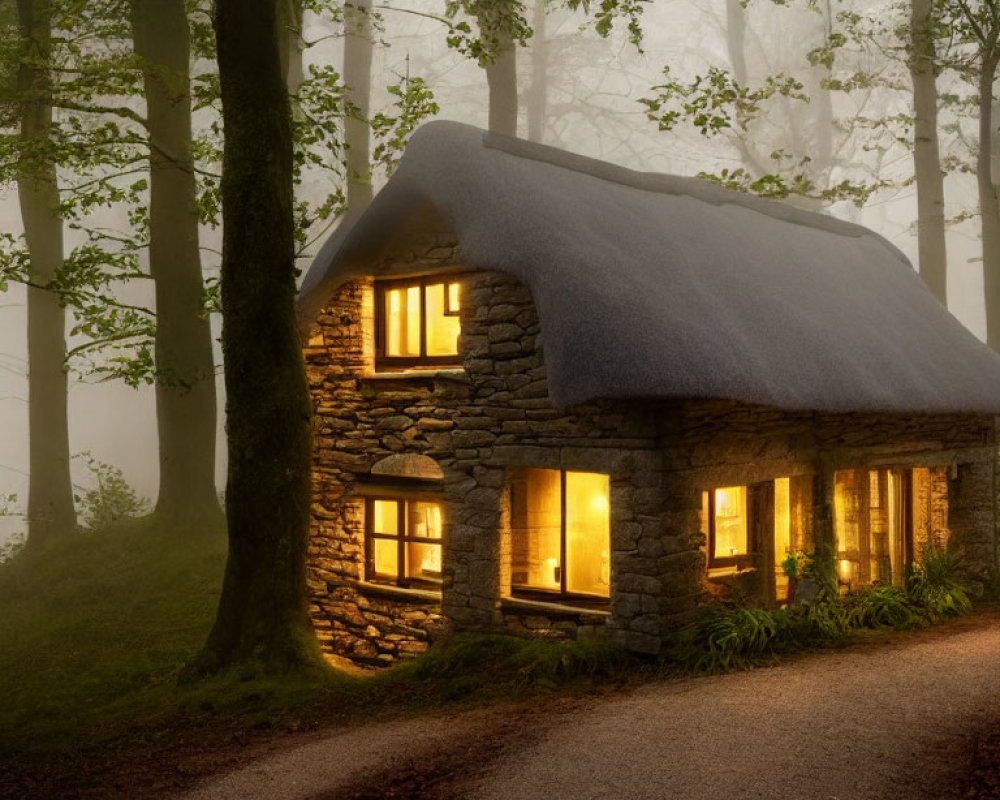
(95, 631)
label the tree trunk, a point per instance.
(50, 496)
(989, 208)
(358, 78)
(185, 390)
(290, 43)
(931, 249)
(501, 77)
(262, 618)
(537, 99)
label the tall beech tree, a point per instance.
(185, 365)
(923, 63)
(976, 25)
(262, 617)
(50, 494)
(357, 82)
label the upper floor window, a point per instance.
(416, 322)
(560, 532)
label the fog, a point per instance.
(591, 94)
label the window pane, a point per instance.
(588, 533)
(453, 297)
(442, 330)
(423, 520)
(386, 517)
(402, 322)
(386, 558)
(536, 509)
(730, 521)
(423, 561)
(782, 519)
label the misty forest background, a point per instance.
(876, 112)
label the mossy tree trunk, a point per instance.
(50, 496)
(185, 391)
(262, 617)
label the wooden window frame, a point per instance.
(401, 539)
(739, 559)
(544, 594)
(397, 362)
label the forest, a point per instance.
(171, 167)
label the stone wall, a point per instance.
(494, 413)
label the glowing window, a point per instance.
(417, 322)
(561, 532)
(403, 541)
(727, 528)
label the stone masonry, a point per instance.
(494, 413)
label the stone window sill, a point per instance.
(450, 374)
(522, 604)
(398, 592)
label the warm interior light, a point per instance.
(402, 324)
(453, 297)
(845, 570)
(588, 527)
(538, 526)
(730, 521)
(442, 328)
(385, 551)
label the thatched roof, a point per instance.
(658, 286)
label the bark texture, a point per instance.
(931, 249)
(501, 77)
(536, 103)
(989, 207)
(185, 391)
(358, 79)
(50, 496)
(262, 616)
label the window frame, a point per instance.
(738, 559)
(562, 593)
(382, 285)
(402, 503)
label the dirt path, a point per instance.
(894, 720)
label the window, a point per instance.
(874, 514)
(403, 541)
(416, 322)
(560, 532)
(728, 535)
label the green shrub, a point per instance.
(882, 606)
(722, 639)
(112, 499)
(935, 586)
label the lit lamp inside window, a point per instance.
(561, 531)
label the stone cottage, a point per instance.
(558, 396)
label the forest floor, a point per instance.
(896, 715)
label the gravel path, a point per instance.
(874, 723)
(888, 721)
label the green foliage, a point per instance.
(15, 542)
(112, 500)
(794, 563)
(504, 665)
(13, 546)
(722, 639)
(882, 606)
(935, 586)
(715, 102)
(498, 23)
(413, 104)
